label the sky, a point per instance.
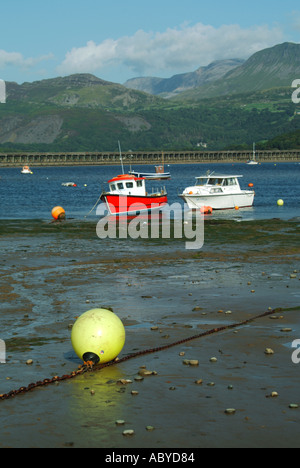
(118, 40)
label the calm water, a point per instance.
(52, 273)
(34, 196)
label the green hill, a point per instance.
(84, 113)
(270, 68)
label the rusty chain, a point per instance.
(85, 368)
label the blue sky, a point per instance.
(121, 39)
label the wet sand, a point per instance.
(52, 274)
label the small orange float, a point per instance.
(58, 213)
(206, 209)
(250, 185)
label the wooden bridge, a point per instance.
(143, 157)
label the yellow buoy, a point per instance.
(58, 212)
(98, 335)
(280, 202)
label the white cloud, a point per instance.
(16, 59)
(173, 51)
(295, 20)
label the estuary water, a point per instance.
(51, 273)
(34, 196)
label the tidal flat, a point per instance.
(163, 293)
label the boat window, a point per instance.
(113, 187)
(129, 184)
(201, 181)
(215, 181)
(232, 181)
(139, 183)
(215, 190)
(120, 186)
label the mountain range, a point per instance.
(227, 104)
(169, 87)
(269, 68)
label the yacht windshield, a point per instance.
(215, 181)
(201, 181)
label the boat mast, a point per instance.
(121, 157)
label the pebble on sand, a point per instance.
(150, 428)
(190, 362)
(124, 381)
(29, 362)
(230, 411)
(128, 432)
(199, 382)
(145, 372)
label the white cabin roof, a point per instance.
(218, 176)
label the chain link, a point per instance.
(85, 368)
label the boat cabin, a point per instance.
(126, 184)
(219, 181)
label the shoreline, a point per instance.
(164, 294)
(142, 158)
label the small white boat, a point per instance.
(253, 162)
(69, 184)
(26, 170)
(220, 192)
(159, 173)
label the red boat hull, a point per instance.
(131, 204)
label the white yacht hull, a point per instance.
(220, 201)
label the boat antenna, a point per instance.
(121, 157)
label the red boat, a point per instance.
(127, 195)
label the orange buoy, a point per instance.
(236, 207)
(58, 213)
(250, 185)
(206, 209)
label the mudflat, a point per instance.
(51, 274)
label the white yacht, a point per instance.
(220, 192)
(253, 162)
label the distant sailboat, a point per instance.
(253, 161)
